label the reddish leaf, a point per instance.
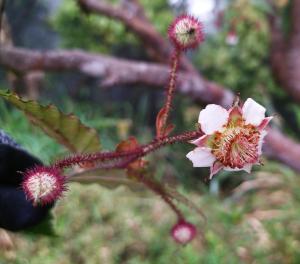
(160, 119)
(87, 164)
(137, 165)
(131, 144)
(128, 144)
(163, 130)
(169, 129)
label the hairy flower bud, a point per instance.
(186, 32)
(183, 232)
(43, 185)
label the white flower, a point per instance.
(233, 138)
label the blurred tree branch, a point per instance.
(285, 55)
(159, 49)
(285, 52)
(139, 25)
(282, 148)
(115, 71)
(29, 80)
(112, 71)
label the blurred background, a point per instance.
(106, 61)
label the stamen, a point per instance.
(237, 145)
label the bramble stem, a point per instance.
(129, 156)
(172, 82)
(158, 189)
(170, 88)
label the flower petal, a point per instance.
(231, 169)
(247, 168)
(235, 115)
(261, 141)
(201, 141)
(253, 112)
(201, 157)
(235, 111)
(264, 123)
(212, 118)
(215, 168)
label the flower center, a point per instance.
(185, 31)
(236, 146)
(41, 185)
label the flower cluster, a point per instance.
(233, 139)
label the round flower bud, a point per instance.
(186, 32)
(43, 185)
(183, 232)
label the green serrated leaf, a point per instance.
(111, 179)
(67, 129)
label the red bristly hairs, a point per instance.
(162, 129)
(184, 33)
(131, 155)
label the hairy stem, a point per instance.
(158, 189)
(172, 82)
(126, 157)
(170, 89)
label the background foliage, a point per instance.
(256, 222)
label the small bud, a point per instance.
(186, 32)
(183, 232)
(232, 38)
(43, 185)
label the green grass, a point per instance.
(97, 225)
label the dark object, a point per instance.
(16, 212)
